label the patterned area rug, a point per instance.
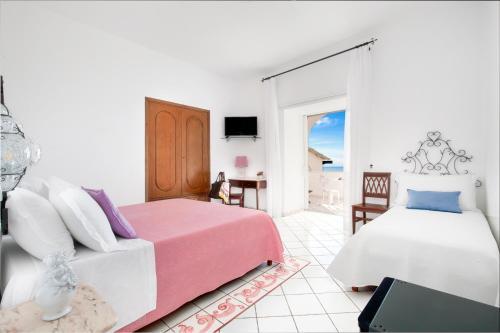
(219, 313)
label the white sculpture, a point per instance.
(56, 287)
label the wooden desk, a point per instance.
(249, 182)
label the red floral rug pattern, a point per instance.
(216, 315)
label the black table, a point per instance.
(398, 306)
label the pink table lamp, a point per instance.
(241, 163)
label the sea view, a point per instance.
(327, 138)
(332, 168)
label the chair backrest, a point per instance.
(377, 185)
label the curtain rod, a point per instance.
(372, 41)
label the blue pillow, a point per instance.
(432, 200)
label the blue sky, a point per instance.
(327, 136)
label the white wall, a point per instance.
(429, 74)
(79, 93)
(491, 105)
(319, 81)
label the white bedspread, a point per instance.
(125, 279)
(454, 253)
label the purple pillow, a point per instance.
(118, 222)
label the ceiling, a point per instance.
(232, 38)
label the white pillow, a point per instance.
(446, 183)
(35, 225)
(82, 215)
(36, 185)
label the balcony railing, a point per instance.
(326, 191)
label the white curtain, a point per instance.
(357, 128)
(272, 136)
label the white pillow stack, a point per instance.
(35, 184)
(82, 215)
(41, 213)
(36, 226)
(446, 183)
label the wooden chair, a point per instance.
(375, 185)
(240, 197)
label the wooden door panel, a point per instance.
(163, 150)
(165, 142)
(195, 152)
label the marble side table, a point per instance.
(90, 314)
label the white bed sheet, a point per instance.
(126, 279)
(454, 253)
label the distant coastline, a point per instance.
(332, 168)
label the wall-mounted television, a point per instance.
(240, 126)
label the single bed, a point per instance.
(454, 253)
(186, 248)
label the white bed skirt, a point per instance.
(125, 279)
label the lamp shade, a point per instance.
(17, 151)
(241, 162)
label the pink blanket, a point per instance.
(199, 246)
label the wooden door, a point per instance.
(177, 151)
(195, 153)
(163, 150)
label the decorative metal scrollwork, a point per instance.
(435, 156)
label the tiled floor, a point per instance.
(308, 302)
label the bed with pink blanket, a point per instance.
(199, 246)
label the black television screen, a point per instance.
(240, 126)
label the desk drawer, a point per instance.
(248, 183)
(243, 183)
